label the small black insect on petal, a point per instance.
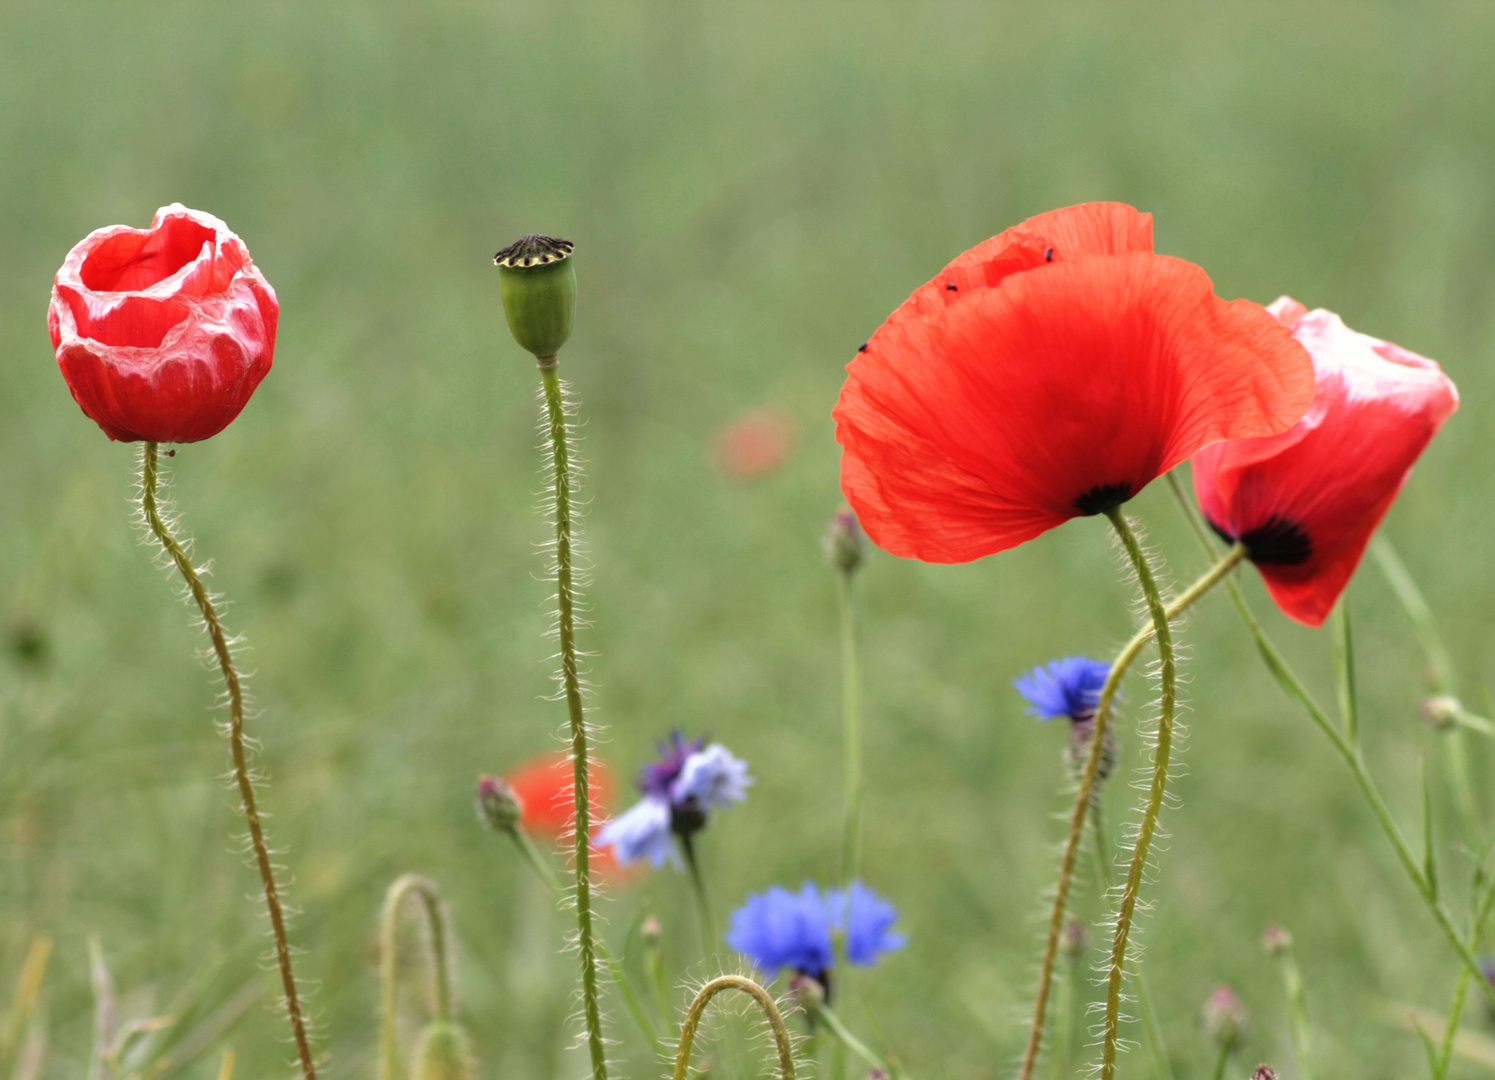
(1103, 497)
(862, 347)
(1278, 542)
(952, 287)
(1048, 255)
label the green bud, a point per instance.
(498, 807)
(844, 542)
(444, 1052)
(538, 285)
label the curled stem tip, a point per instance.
(439, 961)
(765, 1002)
(149, 478)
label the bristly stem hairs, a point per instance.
(149, 476)
(560, 450)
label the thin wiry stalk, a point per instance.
(1161, 752)
(851, 728)
(565, 589)
(1084, 798)
(1354, 759)
(172, 547)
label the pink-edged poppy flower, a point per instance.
(1306, 502)
(162, 333)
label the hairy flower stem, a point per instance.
(765, 1002)
(1085, 795)
(389, 942)
(1162, 749)
(1427, 888)
(149, 470)
(560, 451)
(851, 728)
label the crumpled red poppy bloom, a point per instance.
(163, 333)
(1050, 372)
(1306, 502)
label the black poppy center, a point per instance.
(1275, 542)
(1103, 497)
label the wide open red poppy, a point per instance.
(1053, 371)
(1307, 501)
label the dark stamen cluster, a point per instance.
(1103, 497)
(534, 250)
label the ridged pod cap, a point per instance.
(538, 285)
(444, 1053)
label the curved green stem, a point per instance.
(1111, 1030)
(389, 942)
(851, 726)
(765, 1002)
(1353, 758)
(851, 1042)
(565, 593)
(149, 470)
(1085, 794)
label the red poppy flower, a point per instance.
(546, 794)
(162, 333)
(756, 444)
(1306, 502)
(1053, 371)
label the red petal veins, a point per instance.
(1337, 472)
(973, 424)
(163, 333)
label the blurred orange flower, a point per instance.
(756, 444)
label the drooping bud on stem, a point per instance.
(498, 807)
(538, 285)
(443, 1053)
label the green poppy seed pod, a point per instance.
(444, 1052)
(538, 285)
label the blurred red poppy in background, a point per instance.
(546, 795)
(1050, 372)
(162, 333)
(1306, 502)
(756, 444)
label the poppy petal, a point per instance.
(972, 425)
(1307, 502)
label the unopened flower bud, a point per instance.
(1264, 1072)
(876, 1074)
(1276, 940)
(807, 991)
(650, 931)
(538, 285)
(1441, 711)
(498, 807)
(845, 543)
(444, 1052)
(1072, 938)
(1224, 1017)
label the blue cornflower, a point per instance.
(779, 929)
(1069, 687)
(689, 780)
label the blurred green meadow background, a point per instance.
(751, 188)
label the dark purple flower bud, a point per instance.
(845, 543)
(1264, 1072)
(498, 807)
